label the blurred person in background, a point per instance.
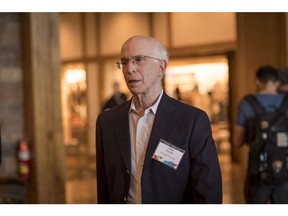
(266, 180)
(116, 99)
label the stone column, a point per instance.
(42, 103)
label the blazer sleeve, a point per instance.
(205, 168)
(102, 184)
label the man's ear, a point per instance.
(278, 84)
(257, 82)
(163, 66)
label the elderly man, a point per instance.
(153, 148)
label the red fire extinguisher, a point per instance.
(24, 157)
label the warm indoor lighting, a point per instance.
(75, 76)
(206, 75)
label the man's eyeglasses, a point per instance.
(138, 59)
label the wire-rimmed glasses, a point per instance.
(138, 59)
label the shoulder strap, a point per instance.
(284, 105)
(255, 104)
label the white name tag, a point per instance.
(168, 154)
(282, 139)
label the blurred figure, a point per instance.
(283, 77)
(116, 99)
(201, 101)
(266, 180)
(177, 94)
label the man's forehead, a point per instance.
(141, 39)
(139, 44)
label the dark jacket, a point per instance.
(198, 176)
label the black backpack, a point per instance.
(267, 136)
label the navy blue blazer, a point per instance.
(198, 176)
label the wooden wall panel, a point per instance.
(160, 26)
(71, 34)
(91, 34)
(43, 116)
(194, 29)
(93, 103)
(115, 28)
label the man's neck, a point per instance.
(268, 88)
(142, 101)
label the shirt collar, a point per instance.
(153, 108)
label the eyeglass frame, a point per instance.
(121, 66)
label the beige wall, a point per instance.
(160, 27)
(91, 34)
(193, 29)
(70, 36)
(110, 30)
(115, 28)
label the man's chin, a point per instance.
(135, 91)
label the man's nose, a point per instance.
(131, 65)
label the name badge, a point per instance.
(168, 154)
(282, 139)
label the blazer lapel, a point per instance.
(121, 128)
(164, 121)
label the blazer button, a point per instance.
(125, 199)
(127, 171)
